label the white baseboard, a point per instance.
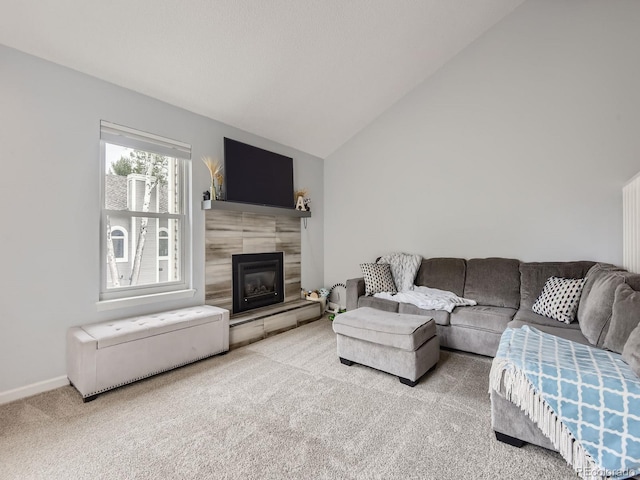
(33, 389)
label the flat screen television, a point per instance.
(257, 176)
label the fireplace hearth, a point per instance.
(258, 280)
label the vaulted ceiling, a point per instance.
(306, 73)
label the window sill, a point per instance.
(105, 305)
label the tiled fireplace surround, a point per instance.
(232, 232)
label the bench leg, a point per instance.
(515, 442)
(406, 381)
(346, 362)
(90, 398)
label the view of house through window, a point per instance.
(119, 241)
(143, 218)
(163, 243)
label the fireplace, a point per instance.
(258, 280)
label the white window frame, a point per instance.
(128, 137)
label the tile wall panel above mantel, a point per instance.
(228, 233)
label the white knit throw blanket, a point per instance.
(404, 267)
(428, 298)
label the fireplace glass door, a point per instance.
(258, 280)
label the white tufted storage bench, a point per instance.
(106, 355)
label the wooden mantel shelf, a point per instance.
(251, 208)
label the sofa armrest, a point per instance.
(355, 289)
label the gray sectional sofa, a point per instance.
(505, 290)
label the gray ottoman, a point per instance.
(399, 344)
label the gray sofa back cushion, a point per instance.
(593, 273)
(631, 351)
(633, 280)
(493, 281)
(443, 273)
(596, 304)
(533, 276)
(625, 317)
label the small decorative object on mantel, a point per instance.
(217, 178)
(301, 199)
(206, 199)
(217, 185)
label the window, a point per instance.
(119, 243)
(145, 185)
(163, 243)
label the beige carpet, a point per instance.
(281, 408)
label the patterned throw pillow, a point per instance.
(560, 298)
(377, 278)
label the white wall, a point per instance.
(49, 138)
(518, 147)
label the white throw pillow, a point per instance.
(377, 278)
(560, 298)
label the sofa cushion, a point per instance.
(441, 317)
(493, 281)
(559, 298)
(483, 317)
(558, 329)
(633, 280)
(594, 312)
(443, 273)
(631, 351)
(534, 275)
(407, 332)
(593, 273)
(535, 319)
(379, 303)
(625, 317)
(377, 278)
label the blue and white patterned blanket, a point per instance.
(593, 394)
